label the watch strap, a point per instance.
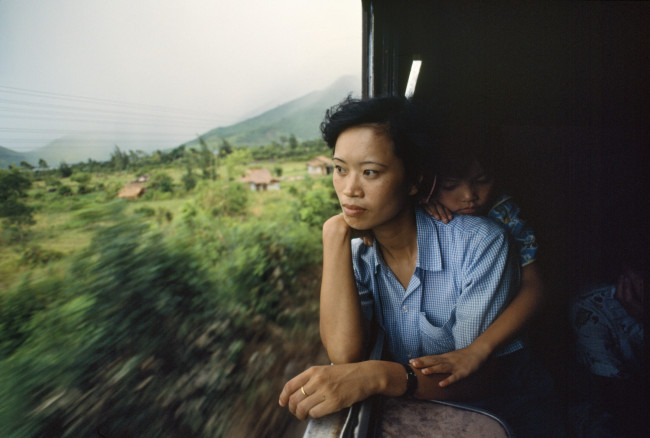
(411, 381)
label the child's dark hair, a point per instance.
(402, 120)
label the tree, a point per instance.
(119, 159)
(206, 160)
(42, 164)
(177, 153)
(293, 143)
(225, 148)
(13, 187)
(26, 165)
(189, 181)
(134, 158)
(236, 161)
(65, 170)
(13, 184)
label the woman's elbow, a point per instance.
(344, 357)
(340, 353)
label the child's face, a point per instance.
(369, 179)
(471, 194)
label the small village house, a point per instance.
(132, 190)
(320, 165)
(260, 180)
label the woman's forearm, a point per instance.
(321, 390)
(390, 380)
(341, 322)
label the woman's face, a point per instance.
(369, 179)
(471, 194)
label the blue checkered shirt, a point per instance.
(465, 276)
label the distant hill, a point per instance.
(300, 117)
(7, 157)
(73, 149)
(70, 149)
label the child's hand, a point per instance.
(438, 211)
(460, 363)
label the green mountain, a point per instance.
(300, 117)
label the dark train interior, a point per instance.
(566, 83)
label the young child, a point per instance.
(467, 185)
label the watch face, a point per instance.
(411, 381)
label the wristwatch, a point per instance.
(411, 381)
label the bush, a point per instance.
(13, 188)
(189, 181)
(83, 189)
(35, 255)
(111, 191)
(81, 178)
(225, 198)
(163, 183)
(164, 216)
(258, 264)
(13, 234)
(64, 190)
(17, 308)
(145, 211)
(64, 170)
(315, 201)
(135, 310)
(146, 335)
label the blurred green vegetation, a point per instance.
(174, 315)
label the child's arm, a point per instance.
(461, 363)
(438, 211)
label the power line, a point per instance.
(119, 122)
(77, 131)
(49, 108)
(60, 96)
(38, 113)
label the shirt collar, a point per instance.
(429, 256)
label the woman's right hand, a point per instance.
(322, 390)
(336, 226)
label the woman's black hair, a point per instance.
(404, 121)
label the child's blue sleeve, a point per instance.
(506, 213)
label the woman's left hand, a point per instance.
(322, 390)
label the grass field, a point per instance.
(65, 224)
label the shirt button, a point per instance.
(406, 309)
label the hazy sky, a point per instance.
(166, 69)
